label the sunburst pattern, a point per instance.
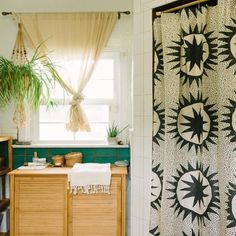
(158, 62)
(195, 123)
(156, 186)
(231, 205)
(158, 123)
(155, 231)
(195, 193)
(192, 234)
(193, 54)
(194, 10)
(185, 185)
(230, 121)
(229, 44)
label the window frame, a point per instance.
(114, 104)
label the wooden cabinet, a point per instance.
(42, 205)
(97, 214)
(4, 202)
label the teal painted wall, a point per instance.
(96, 155)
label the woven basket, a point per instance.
(58, 160)
(72, 158)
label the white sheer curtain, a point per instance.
(76, 40)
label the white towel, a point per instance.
(90, 178)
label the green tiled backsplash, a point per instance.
(97, 155)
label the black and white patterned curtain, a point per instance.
(194, 122)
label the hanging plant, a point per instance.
(25, 82)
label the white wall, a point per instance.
(142, 116)
(65, 5)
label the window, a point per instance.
(100, 105)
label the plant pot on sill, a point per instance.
(112, 140)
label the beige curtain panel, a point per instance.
(74, 43)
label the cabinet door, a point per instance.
(97, 214)
(40, 206)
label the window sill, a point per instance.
(69, 145)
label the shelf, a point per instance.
(4, 138)
(5, 234)
(9, 144)
(4, 203)
(4, 171)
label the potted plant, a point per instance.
(26, 84)
(112, 132)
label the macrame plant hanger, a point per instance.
(19, 57)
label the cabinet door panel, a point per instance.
(40, 206)
(98, 214)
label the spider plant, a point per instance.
(29, 83)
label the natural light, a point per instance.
(99, 96)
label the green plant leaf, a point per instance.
(29, 83)
(113, 130)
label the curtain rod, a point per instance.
(123, 12)
(4, 13)
(178, 7)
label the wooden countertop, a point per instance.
(115, 170)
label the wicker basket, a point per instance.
(58, 160)
(72, 158)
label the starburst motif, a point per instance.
(156, 194)
(195, 189)
(194, 10)
(195, 123)
(193, 54)
(155, 231)
(195, 193)
(192, 233)
(230, 121)
(156, 186)
(231, 205)
(158, 123)
(228, 47)
(158, 62)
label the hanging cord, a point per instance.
(19, 57)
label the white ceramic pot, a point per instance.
(112, 140)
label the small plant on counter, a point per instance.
(113, 131)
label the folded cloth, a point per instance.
(90, 178)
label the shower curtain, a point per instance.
(193, 189)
